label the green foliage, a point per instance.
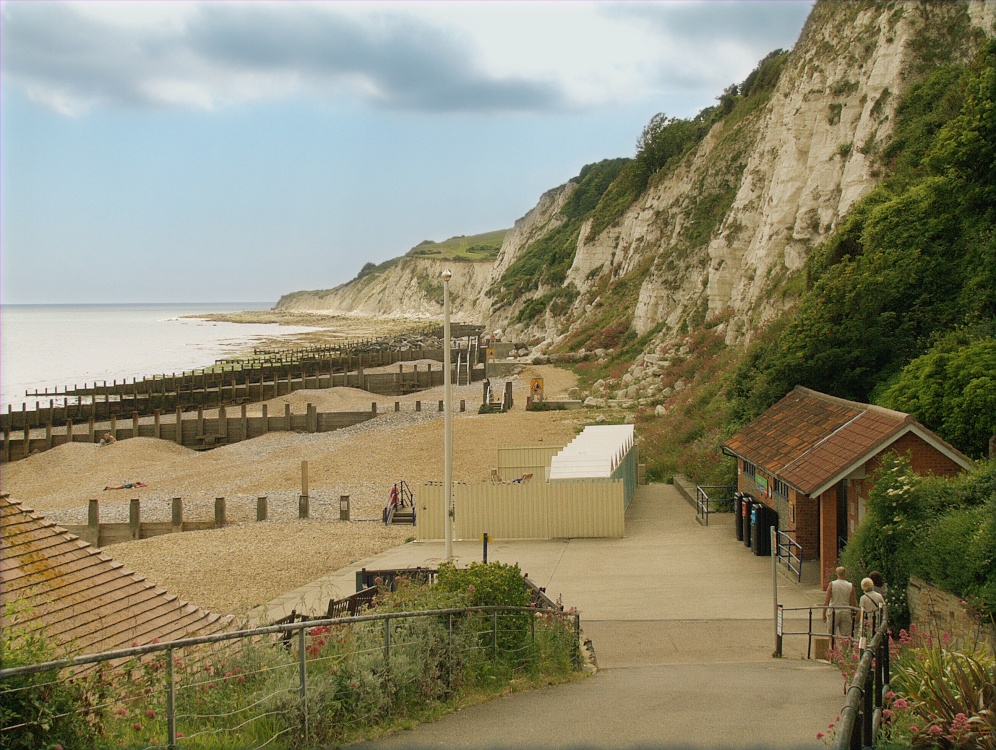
(54, 712)
(942, 530)
(914, 259)
(952, 694)
(462, 248)
(665, 140)
(952, 390)
(546, 261)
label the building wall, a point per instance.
(924, 458)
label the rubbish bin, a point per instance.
(762, 518)
(745, 518)
(738, 514)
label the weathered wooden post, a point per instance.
(266, 421)
(48, 436)
(114, 426)
(27, 440)
(373, 408)
(343, 507)
(304, 478)
(287, 415)
(177, 519)
(222, 424)
(245, 422)
(397, 406)
(440, 406)
(156, 421)
(91, 430)
(134, 423)
(134, 519)
(179, 425)
(463, 405)
(418, 406)
(261, 508)
(219, 512)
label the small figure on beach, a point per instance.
(108, 439)
(126, 486)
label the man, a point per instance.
(840, 598)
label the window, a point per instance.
(781, 489)
(750, 470)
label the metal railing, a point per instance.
(830, 631)
(861, 716)
(169, 687)
(789, 553)
(704, 504)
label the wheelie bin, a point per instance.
(745, 519)
(762, 518)
(738, 514)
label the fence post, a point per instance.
(134, 519)
(261, 508)
(219, 512)
(302, 507)
(170, 701)
(302, 657)
(179, 424)
(177, 514)
(387, 641)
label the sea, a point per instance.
(49, 346)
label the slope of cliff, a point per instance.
(730, 225)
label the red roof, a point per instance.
(80, 596)
(809, 439)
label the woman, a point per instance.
(872, 606)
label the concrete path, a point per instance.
(680, 617)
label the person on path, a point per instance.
(840, 599)
(872, 607)
(879, 582)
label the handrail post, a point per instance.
(170, 701)
(867, 710)
(302, 660)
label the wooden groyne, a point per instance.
(192, 429)
(258, 379)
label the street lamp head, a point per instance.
(447, 275)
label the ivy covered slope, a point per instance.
(901, 301)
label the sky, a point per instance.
(238, 151)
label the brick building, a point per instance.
(811, 458)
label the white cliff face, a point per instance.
(725, 230)
(411, 288)
(790, 172)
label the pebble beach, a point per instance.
(248, 563)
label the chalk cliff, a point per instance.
(728, 228)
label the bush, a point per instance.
(54, 712)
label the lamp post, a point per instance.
(447, 417)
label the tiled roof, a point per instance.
(80, 596)
(808, 438)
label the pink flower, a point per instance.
(935, 730)
(137, 727)
(150, 713)
(819, 735)
(886, 713)
(914, 729)
(900, 704)
(890, 695)
(945, 638)
(179, 735)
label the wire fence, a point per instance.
(329, 681)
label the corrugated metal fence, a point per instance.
(531, 510)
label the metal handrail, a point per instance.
(792, 553)
(780, 631)
(861, 716)
(702, 500)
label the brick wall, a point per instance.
(924, 458)
(828, 535)
(807, 525)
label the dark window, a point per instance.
(781, 489)
(750, 470)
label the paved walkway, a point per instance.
(680, 617)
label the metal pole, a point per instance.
(170, 702)
(774, 588)
(302, 660)
(447, 418)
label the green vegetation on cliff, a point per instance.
(913, 261)
(463, 248)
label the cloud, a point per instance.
(72, 60)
